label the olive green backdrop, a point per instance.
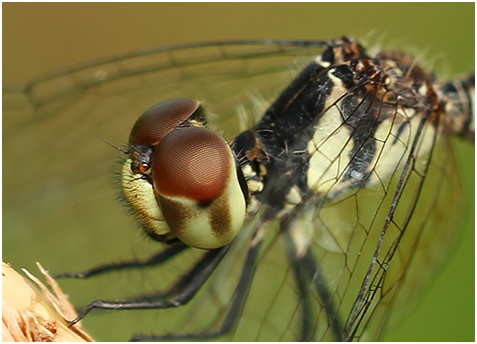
(38, 38)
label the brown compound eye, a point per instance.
(194, 163)
(162, 118)
(195, 181)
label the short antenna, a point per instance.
(125, 151)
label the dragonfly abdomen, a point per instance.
(460, 100)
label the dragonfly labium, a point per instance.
(312, 183)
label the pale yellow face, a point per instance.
(140, 194)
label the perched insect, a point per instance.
(333, 200)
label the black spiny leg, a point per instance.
(313, 270)
(234, 311)
(303, 285)
(177, 295)
(156, 259)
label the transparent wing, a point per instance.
(378, 247)
(61, 203)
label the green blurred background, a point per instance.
(39, 38)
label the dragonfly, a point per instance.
(319, 193)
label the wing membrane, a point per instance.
(362, 267)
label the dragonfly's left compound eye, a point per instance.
(195, 181)
(192, 189)
(161, 119)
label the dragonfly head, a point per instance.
(181, 178)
